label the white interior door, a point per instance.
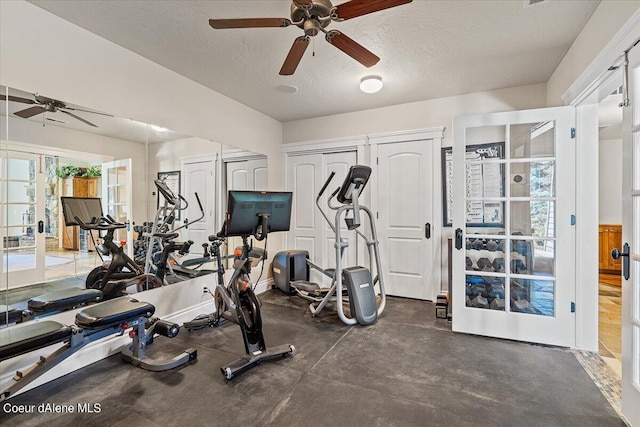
(117, 199)
(339, 163)
(309, 231)
(249, 175)
(631, 235)
(22, 219)
(198, 178)
(405, 197)
(514, 234)
(303, 176)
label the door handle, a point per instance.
(40, 227)
(458, 238)
(427, 231)
(616, 254)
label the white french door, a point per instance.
(117, 199)
(22, 219)
(514, 225)
(631, 249)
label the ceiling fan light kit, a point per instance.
(371, 84)
(313, 16)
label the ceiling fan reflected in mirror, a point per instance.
(42, 103)
(313, 16)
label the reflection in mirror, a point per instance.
(242, 170)
(52, 149)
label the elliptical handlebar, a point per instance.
(326, 184)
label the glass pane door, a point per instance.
(22, 216)
(631, 235)
(117, 199)
(514, 224)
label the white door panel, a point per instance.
(309, 231)
(117, 200)
(198, 178)
(513, 258)
(631, 235)
(405, 207)
(22, 208)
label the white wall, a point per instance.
(610, 181)
(40, 52)
(599, 30)
(416, 115)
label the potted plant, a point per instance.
(68, 172)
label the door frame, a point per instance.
(436, 135)
(598, 79)
(595, 82)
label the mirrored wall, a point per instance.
(51, 150)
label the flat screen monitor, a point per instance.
(88, 209)
(244, 209)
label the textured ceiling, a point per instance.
(428, 49)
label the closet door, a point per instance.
(304, 176)
(309, 231)
(405, 217)
(199, 178)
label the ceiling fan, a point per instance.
(47, 104)
(313, 16)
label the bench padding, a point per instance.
(13, 314)
(113, 312)
(20, 339)
(64, 299)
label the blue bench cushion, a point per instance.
(64, 299)
(21, 339)
(113, 312)
(9, 314)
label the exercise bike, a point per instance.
(250, 213)
(115, 277)
(291, 269)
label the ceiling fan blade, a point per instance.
(221, 24)
(295, 55)
(78, 118)
(17, 99)
(89, 111)
(30, 112)
(352, 48)
(355, 8)
(304, 3)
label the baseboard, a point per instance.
(264, 285)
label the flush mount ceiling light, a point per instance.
(158, 128)
(371, 84)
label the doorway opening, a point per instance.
(610, 231)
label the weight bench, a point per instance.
(50, 303)
(113, 317)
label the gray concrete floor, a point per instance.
(408, 369)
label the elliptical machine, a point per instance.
(291, 268)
